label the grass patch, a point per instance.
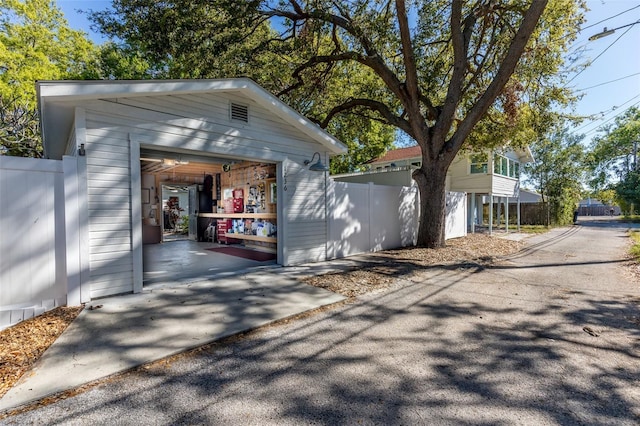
(635, 249)
(535, 229)
(631, 218)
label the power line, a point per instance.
(601, 53)
(602, 114)
(609, 119)
(600, 22)
(606, 19)
(607, 82)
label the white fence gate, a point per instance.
(366, 218)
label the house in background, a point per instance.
(491, 178)
(528, 196)
(593, 207)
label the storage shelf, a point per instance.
(239, 215)
(251, 237)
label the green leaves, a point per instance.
(628, 189)
(613, 156)
(36, 43)
(610, 158)
(557, 173)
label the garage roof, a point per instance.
(56, 104)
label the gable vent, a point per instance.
(240, 112)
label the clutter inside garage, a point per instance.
(228, 202)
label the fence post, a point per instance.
(371, 206)
(490, 213)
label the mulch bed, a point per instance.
(385, 267)
(22, 344)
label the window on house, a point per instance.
(479, 163)
(497, 164)
(514, 169)
(505, 166)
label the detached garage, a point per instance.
(153, 159)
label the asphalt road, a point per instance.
(549, 336)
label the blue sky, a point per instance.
(615, 57)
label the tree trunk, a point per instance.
(431, 185)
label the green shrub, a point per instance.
(635, 249)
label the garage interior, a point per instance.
(203, 216)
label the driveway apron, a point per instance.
(115, 334)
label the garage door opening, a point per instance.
(203, 217)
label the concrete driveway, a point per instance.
(549, 336)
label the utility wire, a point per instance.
(601, 21)
(606, 19)
(607, 82)
(604, 113)
(609, 119)
(591, 26)
(601, 53)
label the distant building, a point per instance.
(489, 178)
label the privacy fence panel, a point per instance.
(366, 218)
(32, 238)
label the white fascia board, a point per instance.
(51, 91)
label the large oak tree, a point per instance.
(449, 74)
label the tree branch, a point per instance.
(372, 59)
(373, 105)
(409, 62)
(460, 38)
(506, 69)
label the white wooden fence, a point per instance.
(32, 238)
(366, 218)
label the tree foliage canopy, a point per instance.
(557, 173)
(611, 153)
(613, 159)
(36, 43)
(446, 73)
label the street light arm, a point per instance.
(605, 32)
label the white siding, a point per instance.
(464, 181)
(304, 214)
(481, 183)
(198, 123)
(503, 186)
